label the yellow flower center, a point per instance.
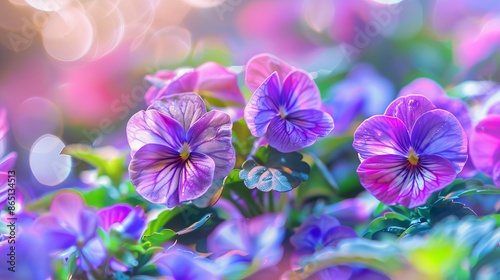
(282, 113)
(412, 157)
(184, 151)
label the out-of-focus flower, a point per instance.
(410, 152)
(485, 147)
(178, 149)
(217, 85)
(128, 220)
(363, 92)
(179, 262)
(436, 94)
(30, 258)
(316, 233)
(353, 211)
(71, 226)
(288, 113)
(242, 244)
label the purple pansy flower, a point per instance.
(288, 113)
(316, 233)
(71, 226)
(128, 220)
(210, 80)
(179, 262)
(436, 94)
(261, 66)
(240, 244)
(178, 149)
(410, 152)
(485, 147)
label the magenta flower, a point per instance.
(178, 149)
(436, 94)
(288, 113)
(129, 221)
(410, 152)
(485, 147)
(261, 66)
(210, 80)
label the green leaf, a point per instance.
(113, 167)
(462, 187)
(157, 224)
(233, 184)
(391, 222)
(272, 170)
(446, 208)
(242, 141)
(415, 228)
(195, 225)
(320, 184)
(158, 238)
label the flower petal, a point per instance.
(155, 172)
(196, 176)
(316, 121)
(285, 136)
(485, 144)
(5, 166)
(496, 174)
(300, 92)
(392, 179)
(211, 136)
(438, 132)
(458, 108)
(261, 66)
(409, 109)
(152, 127)
(4, 125)
(381, 135)
(263, 106)
(215, 81)
(186, 108)
(425, 87)
(69, 208)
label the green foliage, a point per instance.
(272, 170)
(113, 167)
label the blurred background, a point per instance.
(72, 70)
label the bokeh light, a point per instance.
(49, 167)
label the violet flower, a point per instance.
(316, 233)
(288, 113)
(178, 149)
(71, 226)
(129, 221)
(436, 94)
(261, 66)
(210, 80)
(485, 147)
(179, 262)
(242, 244)
(410, 152)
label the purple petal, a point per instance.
(261, 66)
(185, 108)
(5, 166)
(310, 234)
(381, 135)
(485, 144)
(4, 125)
(392, 179)
(113, 215)
(196, 177)
(336, 234)
(71, 212)
(94, 253)
(316, 121)
(458, 108)
(184, 82)
(181, 263)
(58, 237)
(496, 174)
(425, 87)
(127, 219)
(338, 272)
(155, 172)
(157, 81)
(216, 81)
(409, 109)
(438, 132)
(152, 127)
(211, 136)
(300, 92)
(285, 136)
(263, 106)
